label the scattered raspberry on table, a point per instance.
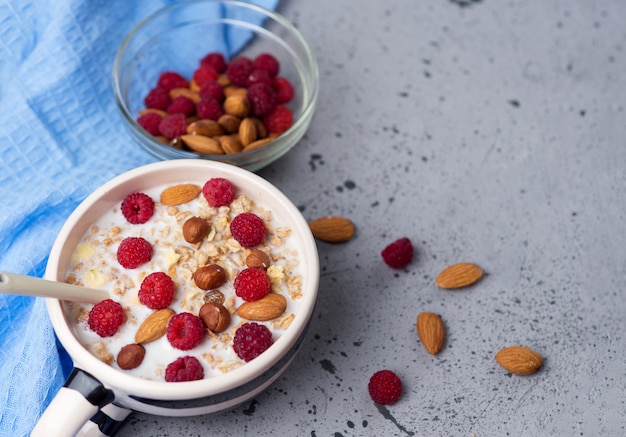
(385, 387)
(399, 253)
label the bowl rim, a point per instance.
(119, 380)
(306, 114)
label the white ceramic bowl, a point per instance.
(159, 397)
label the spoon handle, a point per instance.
(12, 283)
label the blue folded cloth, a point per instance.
(60, 138)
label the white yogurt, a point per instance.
(94, 264)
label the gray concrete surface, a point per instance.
(485, 131)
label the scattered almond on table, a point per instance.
(431, 332)
(332, 229)
(519, 360)
(459, 275)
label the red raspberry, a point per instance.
(215, 60)
(248, 229)
(238, 70)
(278, 120)
(137, 208)
(106, 317)
(283, 89)
(398, 254)
(266, 61)
(259, 76)
(204, 74)
(385, 387)
(183, 369)
(252, 284)
(251, 340)
(133, 252)
(262, 98)
(209, 108)
(173, 125)
(211, 90)
(156, 291)
(218, 192)
(182, 105)
(150, 122)
(184, 331)
(157, 98)
(171, 79)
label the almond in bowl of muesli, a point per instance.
(212, 276)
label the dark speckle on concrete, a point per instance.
(328, 366)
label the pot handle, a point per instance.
(106, 422)
(77, 401)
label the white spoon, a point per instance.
(12, 283)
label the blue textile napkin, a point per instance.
(60, 138)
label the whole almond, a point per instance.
(459, 275)
(209, 277)
(193, 85)
(233, 90)
(269, 307)
(230, 144)
(215, 316)
(332, 229)
(261, 130)
(257, 144)
(223, 80)
(208, 128)
(192, 95)
(130, 356)
(519, 360)
(258, 259)
(179, 194)
(202, 144)
(229, 123)
(154, 326)
(160, 112)
(195, 229)
(431, 332)
(237, 105)
(247, 131)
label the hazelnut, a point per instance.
(195, 229)
(258, 259)
(214, 296)
(215, 316)
(209, 277)
(130, 356)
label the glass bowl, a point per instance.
(177, 37)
